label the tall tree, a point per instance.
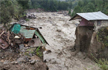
(9, 9)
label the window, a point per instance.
(98, 23)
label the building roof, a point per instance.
(27, 31)
(92, 16)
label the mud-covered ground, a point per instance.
(60, 34)
(20, 59)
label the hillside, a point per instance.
(74, 2)
(91, 6)
(61, 0)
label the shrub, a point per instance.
(38, 52)
(27, 19)
(9, 9)
(103, 64)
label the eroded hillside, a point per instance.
(60, 34)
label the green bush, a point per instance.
(102, 36)
(9, 9)
(38, 52)
(103, 64)
(27, 19)
(91, 6)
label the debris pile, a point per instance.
(28, 40)
(21, 45)
(20, 34)
(9, 39)
(31, 16)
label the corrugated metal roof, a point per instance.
(94, 16)
(27, 33)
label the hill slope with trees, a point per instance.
(91, 6)
(15, 8)
(9, 9)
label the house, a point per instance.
(32, 36)
(96, 19)
(87, 26)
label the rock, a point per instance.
(22, 21)
(21, 46)
(23, 59)
(47, 51)
(35, 58)
(58, 30)
(32, 62)
(14, 62)
(53, 61)
(4, 44)
(67, 52)
(6, 62)
(31, 16)
(24, 66)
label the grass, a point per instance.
(27, 19)
(38, 52)
(102, 63)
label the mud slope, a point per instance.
(60, 34)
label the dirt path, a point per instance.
(60, 34)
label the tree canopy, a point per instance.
(14, 8)
(9, 9)
(91, 6)
(50, 5)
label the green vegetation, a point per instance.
(24, 3)
(69, 13)
(34, 51)
(91, 6)
(27, 19)
(15, 8)
(103, 64)
(38, 52)
(74, 2)
(49, 5)
(9, 9)
(102, 36)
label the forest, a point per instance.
(50, 5)
(91, 6)
(15, 8)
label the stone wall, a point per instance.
(103, 24)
